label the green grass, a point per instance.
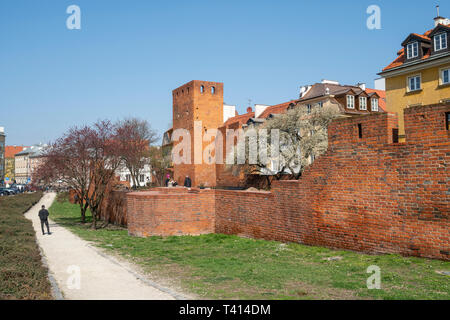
(22, 275)
(220, 266)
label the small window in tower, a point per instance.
(213, 90)
(202, 89)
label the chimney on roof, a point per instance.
(440, 20)
(2, 129)
(362, 86)
(325, 81)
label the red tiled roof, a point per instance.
(11, 151)
(422, 36)
(400, 60)
(382, 94)
(241, 119)
(283, 107)
(397, 62)
(276, 109)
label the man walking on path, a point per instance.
(100, 276)
(43, 215)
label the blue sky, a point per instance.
(129, 55)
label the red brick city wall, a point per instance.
(229, 176)
(245, 213)
(365, 194)
(171, 211)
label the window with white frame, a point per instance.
(412, 50)
(320, 104)
(142, 178)
(445, 76)
(375, 104)
(351, 102)
(308, 107)
(414, 83)
(362, 103)
(440, 41)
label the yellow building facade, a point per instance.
(399, 97)
(420, 75)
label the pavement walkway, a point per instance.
(82, 272)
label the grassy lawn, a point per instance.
(219, 266)
(22, 275)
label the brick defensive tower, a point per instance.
(197, 101)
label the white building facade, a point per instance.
(144, 179)
(26, 161)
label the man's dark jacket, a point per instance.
(187, 182)
(43, 214)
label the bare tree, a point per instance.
(84, 159)
(68, 159)
(105, 158)
(134, 137)
(159, 163)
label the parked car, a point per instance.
(7, 192)
(18, 188)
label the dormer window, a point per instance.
(351, 102)
(412, 50)
(440, 41)
(374, 104)
(362, 103)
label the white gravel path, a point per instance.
(100, 277)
